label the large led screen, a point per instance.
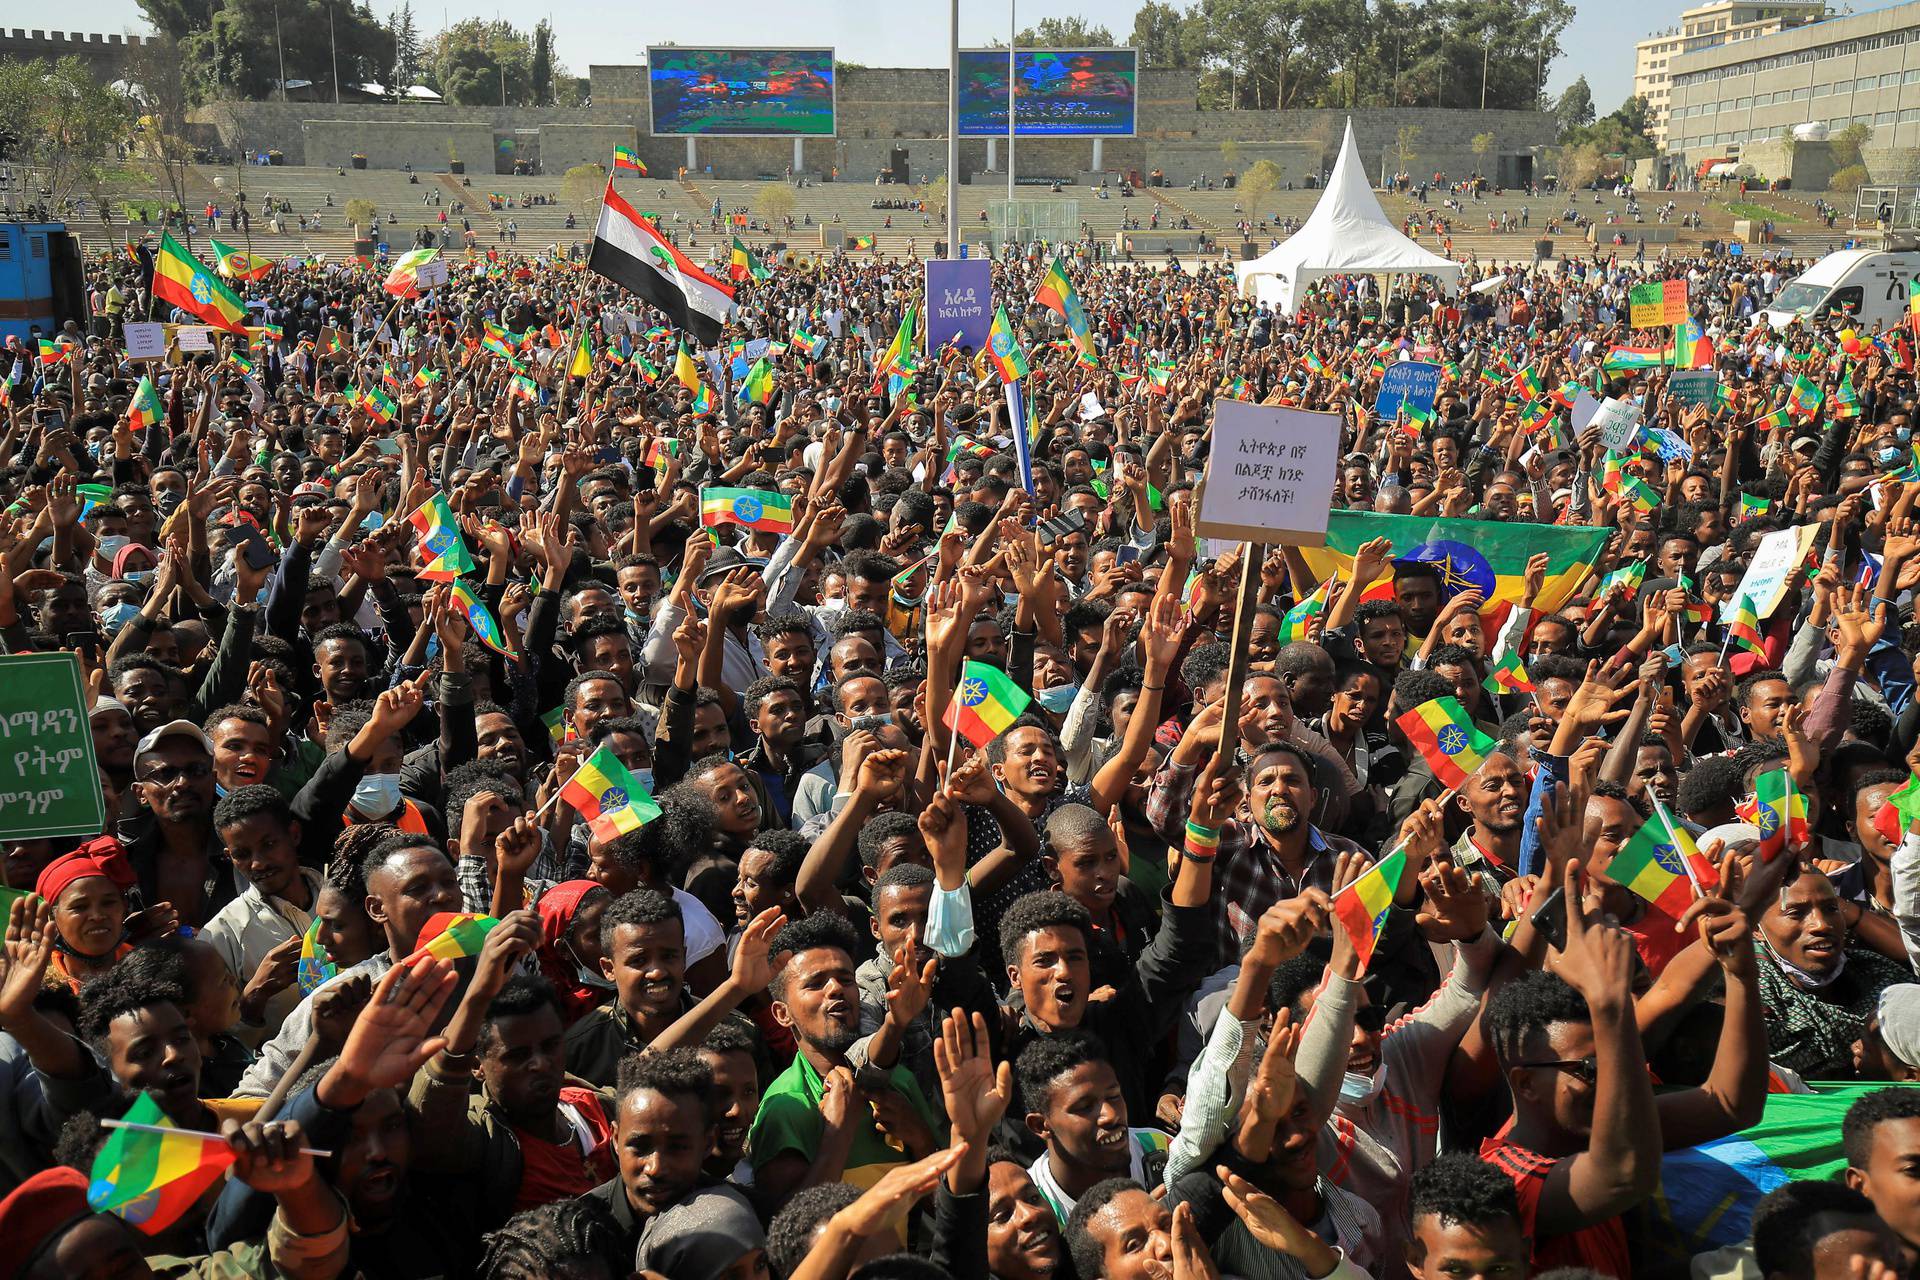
(1062, 92)
(741, 93)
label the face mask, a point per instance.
(377, 795)
(219, 792)
(165, 501)
(1889, 455)
(137, 575)
(635, 616)
(1058, 698)
(114, 617)
(1904, 433)
(109, 546)
(644, 777)
(1360, 1090)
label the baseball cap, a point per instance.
(174, 729)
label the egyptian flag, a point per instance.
(631, 252)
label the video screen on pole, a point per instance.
(741, 93)
(1061, 92)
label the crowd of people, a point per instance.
(961, 933)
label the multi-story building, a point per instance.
(1708, 26)
(1861, 68)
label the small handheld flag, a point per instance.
(480, 618)
(150, 1177)
(441, 546)
(985, 703)
(453, 935)
(610, 798)
(1447, 739)
(1363, 905)
(760, 509)
(316, 965)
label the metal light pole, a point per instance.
(1013, 29)
(281, 47)
(335, 45)
(953, 129)
(1486, 57)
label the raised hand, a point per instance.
(391, 1036)
(910, 986)
(1455, 909)
(268, 1155)
(1268, 1222)
(752, 971)
(975, 1091)
(1598, 959)
(29, 948)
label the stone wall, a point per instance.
(880, 109)
(105, 54)
(394, 144)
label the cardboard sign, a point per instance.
(959, 303)
(1618, 420)
(1407, 385)
(193, 337)
(1780, 553)
(145, 340)
(1270, 474)
(1693, 386)
(430, 274)
(49, 784)
(1585, 405)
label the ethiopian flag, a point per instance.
(611, 800)
(1295, 625)
(150, 1179)
(316, 965)
(685, 371)
(582, 365)
(378, 404)
(757, 386)
(183, 281)
(1779, 809)
(238, 264)
(52, 353)
(1485, 555)
(1708, 1193)
(742, 265)
(453, 935)
(424, 377)
(628, 158)
(985, 704)
(1363, 905)
(1447, 739)
(1009, 361)
(1898, 811)
(441, 545)
(403, 281)
(1805, 397)
(759, 509)
(1744, 626)
(480, 618)
(1650, 865)
(1056, 293)
(1508, 675)
(1620, 359)
(145, 410)
(898, 358)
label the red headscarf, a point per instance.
(557, 908)
(101, 856)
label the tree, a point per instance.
(933, 193)
(1406, 145)
(1620, 133)
(1163, 35)
(1230, 154)
(360, 214)
(156, 74)
(478, 63)
(1849, 179)
(1060, 33)
(1482, 146)
(1579, 164)
(542, 68)
(238, 53)
(406, 51)
(1575, 107)
(60, 121)
(178, 18)
(1262, 180)
(582, 186)
(1846, 147)
(775, 201)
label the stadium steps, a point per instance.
(1200, 221)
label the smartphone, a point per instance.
(87, 643)
(253, 545)
(387, 445)
(1550, 921)
(1127, 554)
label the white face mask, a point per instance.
(1356, 1090)
(377, 795)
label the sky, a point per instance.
(590, 32)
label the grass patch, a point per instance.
(1757, 212)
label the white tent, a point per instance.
(1348, 234)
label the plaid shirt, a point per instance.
(1247, 876)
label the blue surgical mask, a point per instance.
(377, 795)
(108, 547)
(1358, 1090)
(1058, 698)
(137, 575)
(644, 777)
(1889, 455)
(1903, 434)
(116, 616)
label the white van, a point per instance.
(1868, 284)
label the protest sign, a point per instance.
(1664, 302)
(1407, 385)
(49, 784)
(1693, 386)
(959, 303)
(1269, 475)
(146, 340)
(193, 337)
(1618, 420)
(1766, 580)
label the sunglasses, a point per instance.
(1586, 1069)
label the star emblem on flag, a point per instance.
(1769, 821)
(439, 540)
(747, 509)
(1002, 342)
(973, 692)
(201, 290)
(1452, 740)
(1668, 858)
(613, 798)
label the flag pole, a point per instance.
(168, 1131)
(1253, 554)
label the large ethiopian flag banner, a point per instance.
(1485, 555)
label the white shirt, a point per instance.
(245, 930)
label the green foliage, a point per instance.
(1230, 154)
(1261, 180)
(1405, 144)
(1755, 212)
(775, 200)
(582, 186)
(1060, 33)
(61, 121)
(1166, 37)
(236, 53)
(407, 58)
(1482, 144)
(1849, 179)
(542, 69)
(1622, 134)
(1846, 146)
(477, 62)
(360, 214)
(1575, 108)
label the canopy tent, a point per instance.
(1348, 234)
